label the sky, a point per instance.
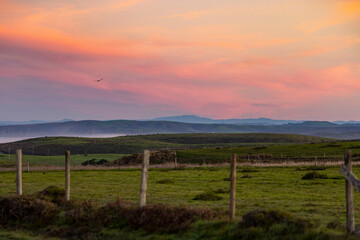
(281, 59)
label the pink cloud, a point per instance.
(209, 68)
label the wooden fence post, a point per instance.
(232, 186)
(19, 172)
(28, 167)
(144, 176)
(67, 175)
(175, 160)
(350, 220)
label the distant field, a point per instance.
(55, 160)
(284, 151)
(213, 155)
(135, 144)
(322, 200)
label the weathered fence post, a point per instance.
(67, 175)
(28, 167)
(350, 220)
(144, 176)
(19, 172)
(232, 186)
(175, 160)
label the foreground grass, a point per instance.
(6, 234)
(215, 230)
(321, 200)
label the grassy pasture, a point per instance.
(211, 155)
(308, 150)
(321, 200)
(59, 160)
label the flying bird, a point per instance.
(99, 80)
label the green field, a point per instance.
(309, 150)
(269, 188)
(319, 201)
(280, 152)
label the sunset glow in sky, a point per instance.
(282, 59)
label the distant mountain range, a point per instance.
(7, 123)
(246, 121)
(91, 127)
(193, 119)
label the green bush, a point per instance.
(246, 176)
(166, 219)
(27, 210)
(311, 168)
(247, 170)
(207, 196)
(165, 181)
(52, 194)
(221, 190)
(267, 218)
(314, 175)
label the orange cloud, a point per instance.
(340, 13)
(350, 8)
(190, 14)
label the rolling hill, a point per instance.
(136, 144)
(131, 127)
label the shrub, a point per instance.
(94, 162)
(152, 218)
(247, 170)
(267, 218)
(311, 168)
(207, 196)
(165, 181)
(89, 162)
(335, 225)
(246, 176)
(52, 194)
(102, 162)
(27, 210)
(221, 190)
(179, 167)
(259, 148)
(314, 175)
(82, 213)
(161, 218)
